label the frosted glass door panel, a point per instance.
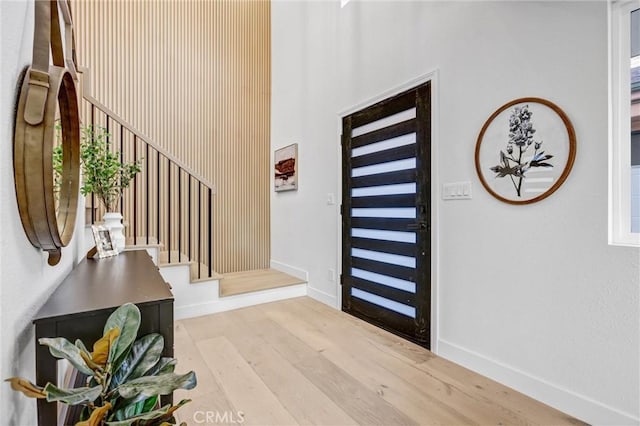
(386, 280)
(400, 308)
(385, 145)
(384, 122)
(401, 188)
(377, 234)
(393, 259)
(391, 166)
(390, 213)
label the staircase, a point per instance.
(167, 201)
(195, 298)
(167, 210)
(208, 296)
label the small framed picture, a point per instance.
(104, 244)
(285, 162)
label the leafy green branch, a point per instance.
(103, 173)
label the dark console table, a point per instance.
(80, 306)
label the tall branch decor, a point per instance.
(534, 159)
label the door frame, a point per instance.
(432, 77)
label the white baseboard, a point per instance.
(291, 270)
(323, 297)
(239, 301)
(576, 405)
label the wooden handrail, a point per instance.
(112, 115)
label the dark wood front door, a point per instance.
(386, 214)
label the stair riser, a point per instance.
(240, 301)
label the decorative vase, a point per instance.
(113, 221)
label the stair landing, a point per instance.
(250, 281)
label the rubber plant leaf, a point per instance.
(81, 346)
(73, 396)
(97, 416)
(62, 348)
(86, 355)
(127, 319)
(144, 354)
(164, 366)
(135, 407)
(168, 418)
(124, 403)
(148, 404)
(26, 387)
(157, 385)
(102, 347)
(164, 413)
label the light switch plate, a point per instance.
(456, 191)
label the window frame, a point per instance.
(619, 12)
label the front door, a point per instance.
(386, 211)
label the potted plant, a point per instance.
(104, 175)
(125, 377)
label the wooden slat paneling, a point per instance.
(193, 76)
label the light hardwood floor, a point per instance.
(300, 362)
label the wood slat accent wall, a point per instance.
(195, 77)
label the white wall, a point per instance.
(530, 295)
(635, 198)
(25, 278)
(304, 99)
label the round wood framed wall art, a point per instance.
(525, 151)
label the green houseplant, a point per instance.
(125, 376)
(103, 174)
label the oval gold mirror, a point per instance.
(48, 218)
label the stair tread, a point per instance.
(251, 281)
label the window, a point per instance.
(624, 211)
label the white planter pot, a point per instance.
(113, 221)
